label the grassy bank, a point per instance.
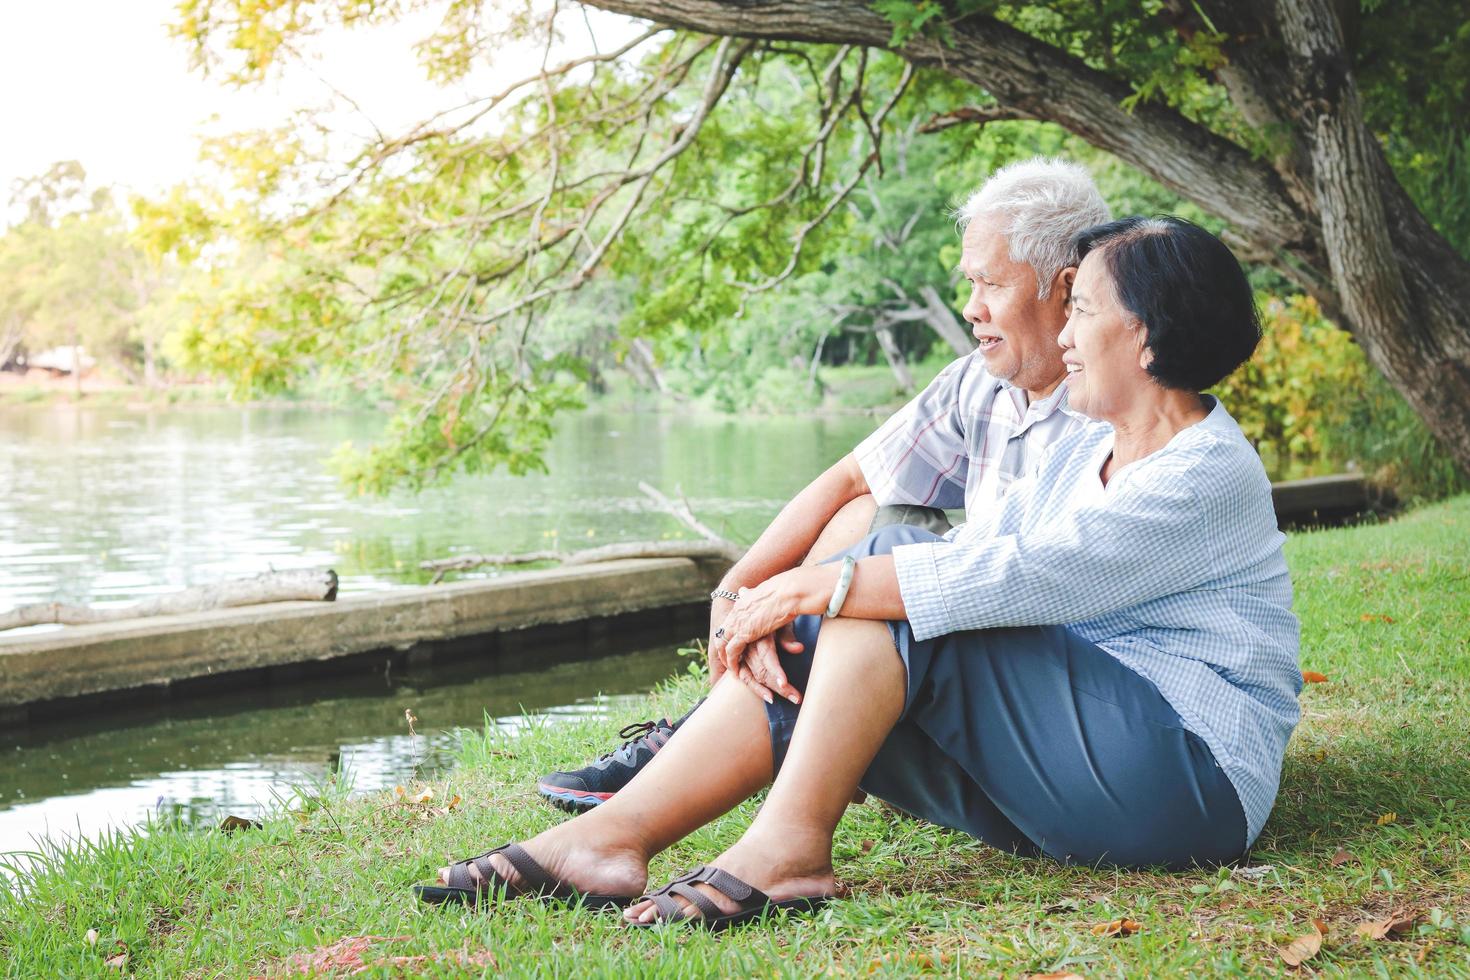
(1373, 819)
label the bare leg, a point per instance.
(846, 528)
(721, 756)
(853, 699)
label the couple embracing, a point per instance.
(1098, 666)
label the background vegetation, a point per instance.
(796, 255)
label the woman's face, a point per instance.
(1102, 347)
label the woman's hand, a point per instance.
(759, 620)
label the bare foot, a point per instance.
(572, 860)
(775, 867)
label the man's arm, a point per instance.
(785, 543)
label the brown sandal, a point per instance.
(464, 889)
(754, 903)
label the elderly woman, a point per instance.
(1104, 671)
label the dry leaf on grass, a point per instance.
(1303, 948)
(1064, 975)
(1343, 856)
(920, 961)
(1375, 618)
(345, 955)
(1256, 873)
(1387, 818)
(1313, 677)
(1396, 924)
(91, 937)
(233, 823)
(345, 958)
(119, 958)
(1117, 927)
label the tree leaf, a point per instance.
(1301, 949)
(1117, 927)
(232, 823)
(1396, 924)
(1343, 856)
(1387, 818)
(1312, 677)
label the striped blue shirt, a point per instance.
(1174, 567)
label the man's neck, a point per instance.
(1034, 395)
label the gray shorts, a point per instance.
(1039, 742)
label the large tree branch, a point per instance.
(1029, 76)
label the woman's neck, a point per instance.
(1147, 426)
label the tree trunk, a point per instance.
(1395, 283)
(76, 363)
(150, 370)
(640, 351)
(894, 356)
(941, 320)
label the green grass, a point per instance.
(1386, 618)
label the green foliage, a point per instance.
(1311, 403)
(457, 266)
(1298, 385)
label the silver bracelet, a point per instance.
(723, 594)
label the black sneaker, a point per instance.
(582, 789)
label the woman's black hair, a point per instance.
(1187, 290)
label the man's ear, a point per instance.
(1062, 284)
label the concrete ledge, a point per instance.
(1302, 501)
(85, 660)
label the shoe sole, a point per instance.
(571, 800)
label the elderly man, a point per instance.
(983, 422)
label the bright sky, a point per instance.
(101, 82)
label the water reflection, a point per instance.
(239, 754)
(108, 504)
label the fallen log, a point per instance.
(611, 552)
(712, 546)
(312, 584)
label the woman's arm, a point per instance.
(1155, 537)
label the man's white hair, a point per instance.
(1042, 203)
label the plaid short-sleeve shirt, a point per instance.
(962, 440)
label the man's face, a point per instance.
(1017, 332)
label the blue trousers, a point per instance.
(1038, 742)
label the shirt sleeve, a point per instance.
(1151, 539)
(920, 455)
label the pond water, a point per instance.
(107, 505)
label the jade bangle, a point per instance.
(844, 582)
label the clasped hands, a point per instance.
(745, 644)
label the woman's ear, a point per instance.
(1145, 357)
